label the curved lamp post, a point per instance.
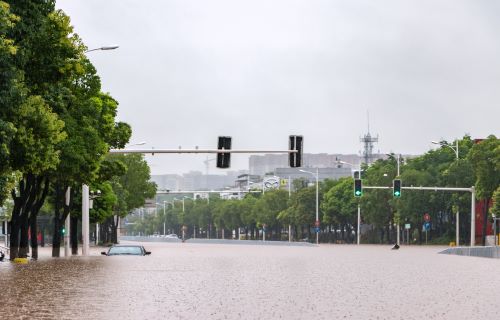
(85, 192)
(446, 144)
(316, 175)
(455, 149)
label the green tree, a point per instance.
(34, 153)
(339, 207)
(495, 209)
(484, 157)
(131, 188)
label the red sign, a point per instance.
(427, 217)
(316, 223)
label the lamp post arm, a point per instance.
(103, 48)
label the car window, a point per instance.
(125, 250)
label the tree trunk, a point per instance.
(61, 211)
(420, 234)
(56, 238)
(14, 235)
(24, 240)
(114, 228)
(40, 195)
(485, 220)
(20, 216)
(388, 232)
(56, 234)
(34, 239)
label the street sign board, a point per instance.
(271, 183)
(316, 224)
(427, 217)
(427, 226)
(407, 226)
(316, 229)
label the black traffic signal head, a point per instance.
(224, 159)
(358, 188)
(295, 158)
(396, 188)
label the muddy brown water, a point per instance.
(217, 281)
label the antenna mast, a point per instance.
(368, 142)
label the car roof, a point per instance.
(126, 245)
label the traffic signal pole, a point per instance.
(397, 225)
(359, 222)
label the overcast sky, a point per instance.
(188, 71)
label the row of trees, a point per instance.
(478, 165)
(56, 126)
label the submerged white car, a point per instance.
(131, 250)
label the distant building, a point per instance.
(246, 181)
(323, 173)
(262, 164)
(195, 180)
(166, 181)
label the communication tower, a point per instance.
(368, 140)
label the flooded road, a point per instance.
(217, 281)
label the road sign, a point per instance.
(427, 217)
(427, 226)
(316, 229)
(271, 183)
(316, 224)
(407, 226)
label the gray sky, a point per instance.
(188, 71)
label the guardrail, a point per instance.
(484, 252)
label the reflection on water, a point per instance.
(94, 287)
(201, 281)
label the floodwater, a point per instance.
(217, 281)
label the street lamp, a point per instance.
(164, 212)
(194, 203)
(103, 48)
(137, 144)
(446, 144)
(93, 195)
(495, 229)
(163, 216)
(317, 200)
(353, 167)
(455, 149)
(85, 192)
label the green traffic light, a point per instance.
(358, 188)
(396, 188)
(63, 231)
